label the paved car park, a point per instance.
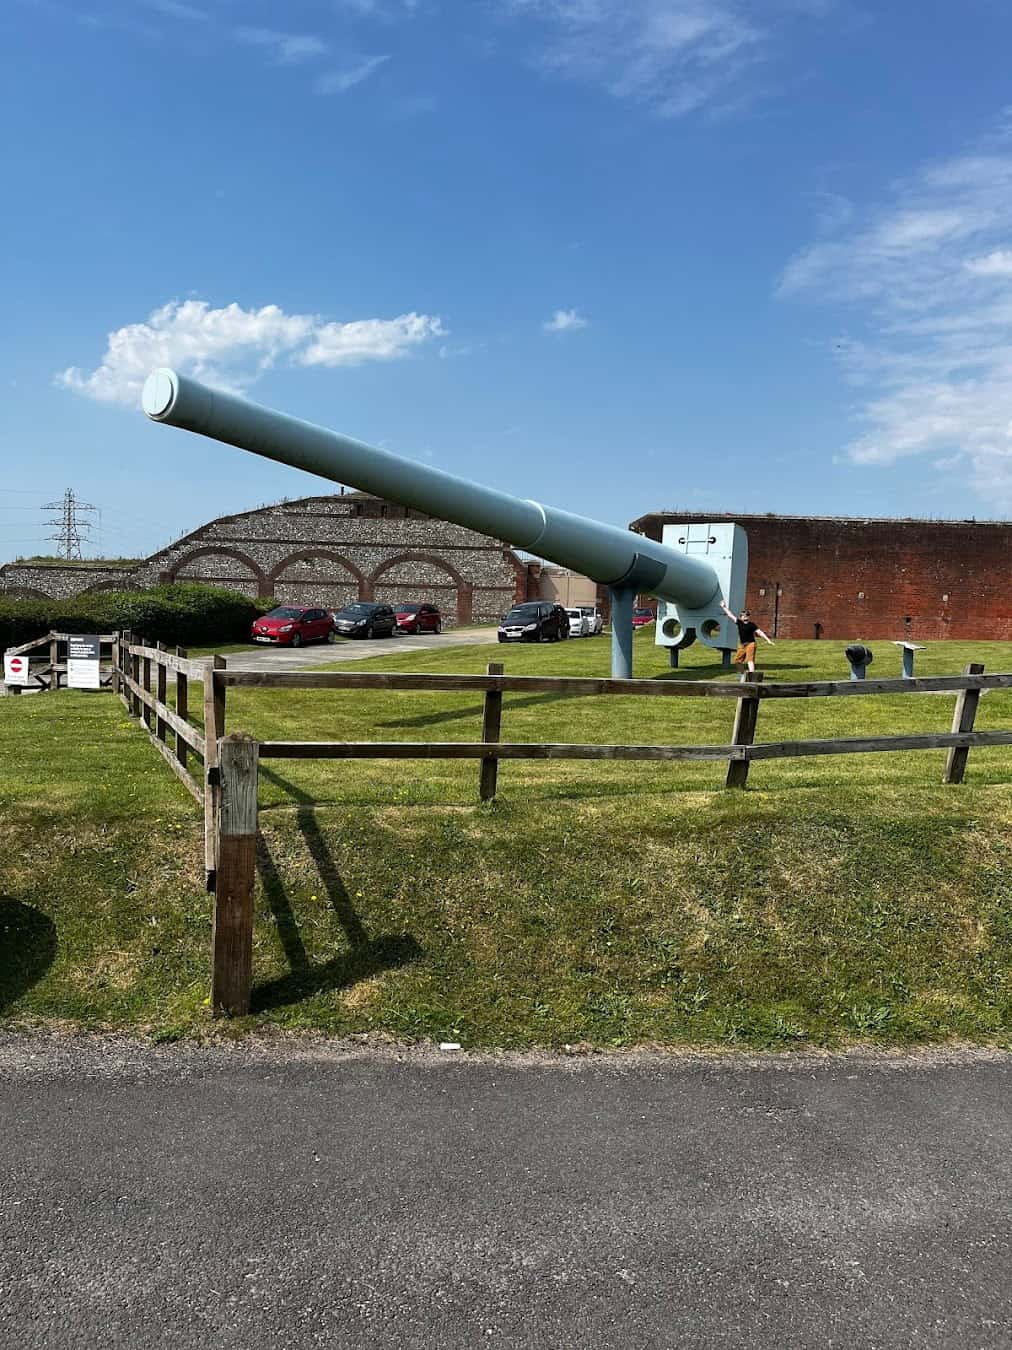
(356, 649)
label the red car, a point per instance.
(642, 616)
(291, 626)
(415, 618)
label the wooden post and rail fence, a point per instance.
(47, 658)
(226, 780)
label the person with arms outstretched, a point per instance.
(747, 633)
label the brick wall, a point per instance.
(919, 579)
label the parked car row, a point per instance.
(543, 621)
(585, 621)
(532, 621)
(292, 625)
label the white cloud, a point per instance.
(285, 48)
(346, 344)
(340, 81)
(929, 271)
(677, 56)
(378, 9)
(996, 264)
(231, 347)
(565, 321)
(176, 9)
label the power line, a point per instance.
(69, 528)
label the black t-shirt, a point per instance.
(746, 630)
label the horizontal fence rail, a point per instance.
(579, 686)
(193, 670)
(105, 638)
(488, 750)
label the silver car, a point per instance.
(579, 624)
(594, 618)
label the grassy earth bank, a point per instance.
(841, 899)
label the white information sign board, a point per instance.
(16, 669)
(83, 652)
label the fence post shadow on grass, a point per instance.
(27, 948)
(366, 956)
(715, 670)
(475, 710)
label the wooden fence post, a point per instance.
(214, 730)
(490, 724)
(745, 714)
(123, 661)
(135, 665)
(182, 708)
(962, 720)
(54, 657)
(232, 954)
(160, 692)
(115, 662)
(146, 712)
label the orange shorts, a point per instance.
(744, 654)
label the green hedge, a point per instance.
(185, 614)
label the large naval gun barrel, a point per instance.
(625, 562)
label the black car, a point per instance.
(535, 621)
(365, 620)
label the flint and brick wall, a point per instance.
(839, 578)
(25, 580)
(320, 550)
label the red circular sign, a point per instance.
(16, 663)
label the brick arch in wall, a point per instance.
(336, 586)
(25, 593)
(464, 599)
(111, 586)
(217, 551)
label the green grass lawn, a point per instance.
(838, 899)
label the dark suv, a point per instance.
(535, 621)
(365, 620)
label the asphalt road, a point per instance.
(294, 1194)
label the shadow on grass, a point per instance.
(27, 948)
(537, 700)
(710, 671)
(459, 714)
(385, 953)
(366, 957)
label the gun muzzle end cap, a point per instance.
(160, 389)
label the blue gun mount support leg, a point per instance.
(686, 638)
(622, 600)
(725, 658)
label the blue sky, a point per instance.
(618, 255)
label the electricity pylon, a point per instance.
(69, 529)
